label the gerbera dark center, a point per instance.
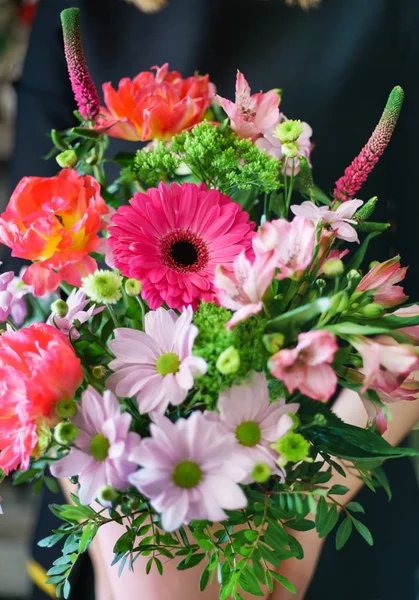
(184, 251)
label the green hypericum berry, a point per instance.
(59, 308)
(107, 495)
(261, 472)
(229, 361)
(288, 131)
(292, 447)
(66, 409)
(99, 372)
(66, 433)
(67, 159)
(103, 286)
(133, 287)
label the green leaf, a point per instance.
(50, 541)
(349, 328)
(250, 535)
(85, 537)
(303, 525)
(338, 490)
(363, 531)
(148, 566)
(206, 544)
(355, 507)
(321, 514)
(66, 589)
(299, 315)
(269, 555)
(52, 484)
(330, 521)
(383, 480)
(249, 582)
(320, 196)
(90, 134)
(194, 560)
(159, 566)
(284, 582)
(203, 581)
(358, 257)
(343, 533)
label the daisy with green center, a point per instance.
(187, 470)
(156, 365)
(245, 411)
(103, 286)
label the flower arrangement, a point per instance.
(209, 314)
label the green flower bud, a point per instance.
(229, 361)
(99, 372)
(333, 268)
(339, 303)
(365, 211)
(66, 409)
(373, 263)
(44, 438)
(65, 433)
(320, 420)
(288, 131)
(321, 284)
(133, 287)
(59, 308)
(107, 495)
(290, 149)
(295, 421)
(273, 342)
(292, 447)
(354, 274)
(67, 159)
(261, 472)
(134, 503)
(372, 311)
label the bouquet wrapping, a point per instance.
(177, 340)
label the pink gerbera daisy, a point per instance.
(173, 238)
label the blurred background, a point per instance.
(16, 525)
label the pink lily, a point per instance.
(381, 280)
(307, 367)
(251, 114)
(408, 311)
(243, 290)
(339, 220)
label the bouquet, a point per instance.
(207, 304)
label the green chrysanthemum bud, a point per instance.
(67, 159)
(103, 286)
(333, 268)
(292, 447)
(229, 361)
(59, 308)
(290, 149)
(261, 472)
(133, 287)
(372, 311)
(288, 131)
(273, 342)
(66, 409)
(107, 495)
(99, 372)
(65, 433)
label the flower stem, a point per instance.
(113, 315)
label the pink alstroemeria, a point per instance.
(76, 303)
(307, 367)
(381, 280)
(339, 220)
(406, 312)
(293, 243)
(102, 455)
(251, 114)
(243, 290)
(272, 146)
(386, 363)
(6, 296)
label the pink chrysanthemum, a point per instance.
(187, 472)
(156, 365)
(103, 446)
(172, 239)
(245, 410)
